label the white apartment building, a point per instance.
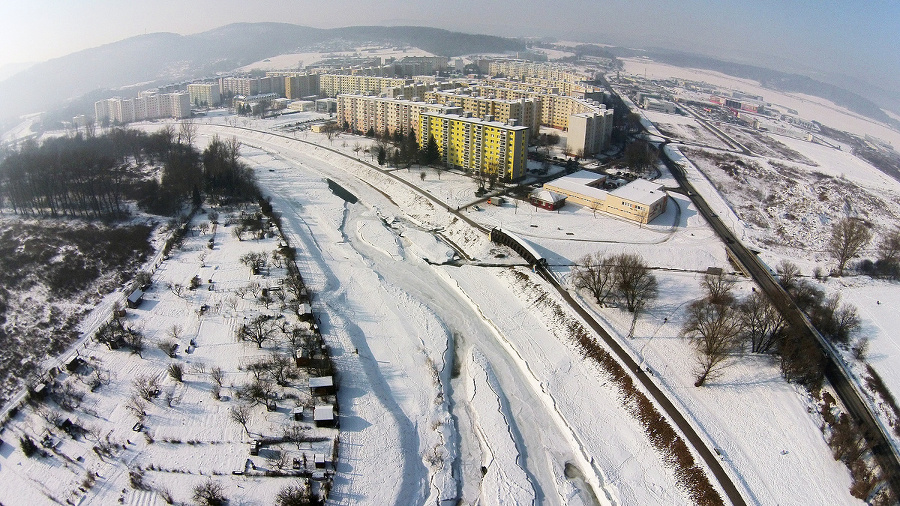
(149, 104)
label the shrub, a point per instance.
(176, 372)
(28, 446)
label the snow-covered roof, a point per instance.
(135, 295)
(324, 381)
(323, 413)
(547, 195)
(640, 191)
(579, 183)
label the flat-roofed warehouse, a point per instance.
(640, 200)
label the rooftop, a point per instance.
(640, 191)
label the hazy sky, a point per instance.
(859, 36)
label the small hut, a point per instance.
(135, 299)
(323, 415)
(321, 386)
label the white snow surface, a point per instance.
(452, 385)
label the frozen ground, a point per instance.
(454, 385)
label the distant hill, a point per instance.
(168, 57)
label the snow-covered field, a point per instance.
(453, 385)
(784, 206)
(809, 107)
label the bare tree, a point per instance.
(889, 247)
(146, 387)
(848, 237)
(176, 372)
(634, 282)
(281, 368)
(217, 375)
(788, 273)
(295, 434)
(241, 414)
(595, 274)
(256, 261)
(259, 330)
(714, 331)
(187, 132)
(762, 324)
(278, 461)
(297, 494)
(718, 288)
(137, 406)
(210, 493)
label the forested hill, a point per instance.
(168, 57)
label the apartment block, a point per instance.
(364, 112)
(247, 86)
(149, 104)
(332, 85)
(297, 84)
(590, 132)
(204, 94)
(473, 144)
(525, 111)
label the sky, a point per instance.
(821, 36)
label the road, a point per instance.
(836, 373)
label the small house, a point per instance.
(255, 445)
(547, 199)
(320, 460)
(134, 300)
(323, 415)
(297, 413)
(322, 386)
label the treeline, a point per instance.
(98, 177)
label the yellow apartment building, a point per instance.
(479, 145)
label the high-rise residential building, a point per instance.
(204, 94)
(474, 144)
(362, 112)
(332, 85)
(247, 86)
(589, 132)
(149, 104)
(525, 111)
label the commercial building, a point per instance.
(480, 145)
(640, 200)
(204, 94)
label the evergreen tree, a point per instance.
(431, 154)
